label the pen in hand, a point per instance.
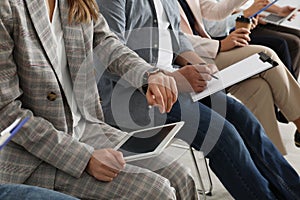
(213, 76)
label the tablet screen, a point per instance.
(145, 141)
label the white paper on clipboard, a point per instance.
(235, 73)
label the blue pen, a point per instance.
(6, 136)
(19, 126)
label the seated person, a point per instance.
(284, 41)
(260, 93)
(46, 73)
(225, 130)
(291, 36)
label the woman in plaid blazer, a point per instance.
(65, 145)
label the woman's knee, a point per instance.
(161, 188)
(181, 180)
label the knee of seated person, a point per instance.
(293, 41)
(296, 45)
(152, 186)
(182, 177)
(270, 52)
(179, 184)
(161, 188)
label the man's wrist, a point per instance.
(150, 72)
(147, 74)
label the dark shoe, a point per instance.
(297, 139)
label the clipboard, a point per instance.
(236, 73)
(7, 134)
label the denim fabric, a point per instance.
(240, 153)
(26, 192)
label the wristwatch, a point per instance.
(149, 72)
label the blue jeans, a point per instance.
(243, 158)
(26, 192)
(240, 153)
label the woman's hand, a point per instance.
(105, 164)
(238, 38)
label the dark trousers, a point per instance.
(291, 36)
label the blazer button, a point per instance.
(51, 96)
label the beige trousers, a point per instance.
(260, 93)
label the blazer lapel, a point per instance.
(184, 21)
(196, 9)
(39, 17)
(74, 41)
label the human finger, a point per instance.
(156, 97)
(169, 96)
(200, 87)
(242, 31)
(202, 68)
(119, 158)
(103, 177)
(174, 89)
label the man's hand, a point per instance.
(285, 11)
(192, 78)
(238, 38)
(162, 91)
(105, 164)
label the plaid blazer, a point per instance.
(29, 86)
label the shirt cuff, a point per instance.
(219, 48)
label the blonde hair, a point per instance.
(83, 11)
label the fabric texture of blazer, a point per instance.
(206, 47)
(29, 86)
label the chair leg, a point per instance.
(203, 190)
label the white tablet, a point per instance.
(277, 20)
(147, 143)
